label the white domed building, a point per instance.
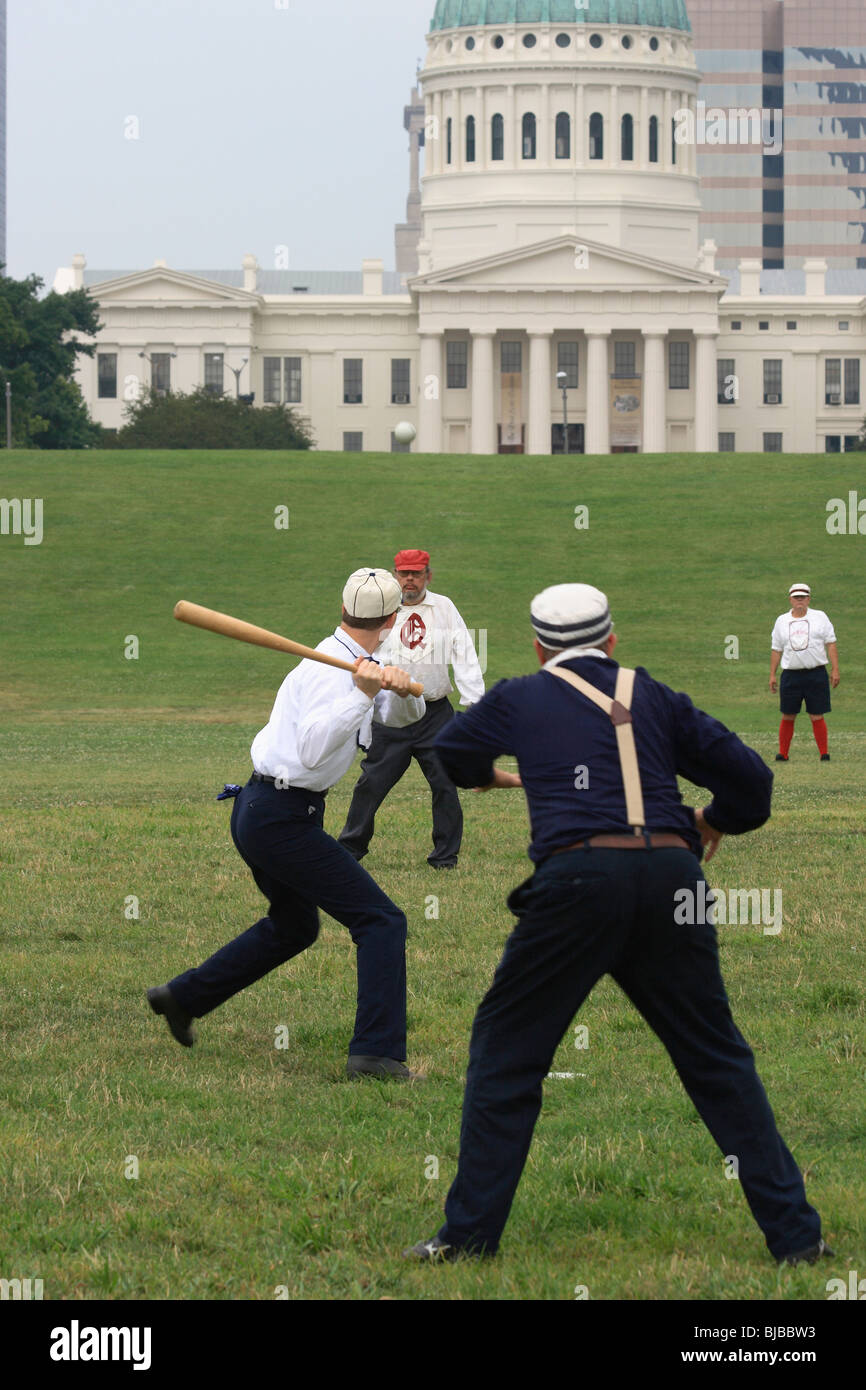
(559, 267)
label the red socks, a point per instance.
(786, 733)
(819, 729)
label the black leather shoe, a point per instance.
(381, 1067)
(162, 1001)
(452, 864)
(808, 1257)
(433, 1252)
(781, 757)
(825, 757)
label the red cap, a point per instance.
(411, 560)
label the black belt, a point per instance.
(642, 841)
(260, 777)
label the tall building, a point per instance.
(800, 191)
(3, 132)
(559, 250)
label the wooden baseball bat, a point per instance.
(213, 621)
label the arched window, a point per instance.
(497, 138)
(470, 139)
(654, 140)
(627, 138)
(596, 136)
(529, 136)
(674, 141)
(563, 135)
(449, 129)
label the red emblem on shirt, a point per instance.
(413, 631)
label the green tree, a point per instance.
(202, 420)
(38, 353)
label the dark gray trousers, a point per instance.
(388, 757)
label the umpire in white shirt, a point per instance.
(428, 636)
(803, 641)
(319, 718)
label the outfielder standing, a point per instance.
(319, 717)
(428, 636)
(803, 640)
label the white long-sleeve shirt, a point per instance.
(320, 716)
(426, 639)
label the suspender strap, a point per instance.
(618, 710)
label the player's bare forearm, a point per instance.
(775, 658)
(833, 654)
(501, 779)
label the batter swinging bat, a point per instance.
(208, 618)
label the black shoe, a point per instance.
(381, 1067)
(808, 1257)
(447, 864)
(825, 757)
(162, 1001)
(781, 757)
(433, 1252)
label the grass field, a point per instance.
(259, 1168)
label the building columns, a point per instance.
(654, 422)
(597, 394)
(483, 424)
(540, 386)
(430, 402)
(706, 395)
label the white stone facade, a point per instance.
(559, 232)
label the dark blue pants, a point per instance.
(388, 757)
(586, 913)
(299, 868)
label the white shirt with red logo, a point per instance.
(426, 639)
(803, 641)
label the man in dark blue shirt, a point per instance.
(617, 866)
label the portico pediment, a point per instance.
(172, 286)
(562, 263)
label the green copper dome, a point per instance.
(651, 14)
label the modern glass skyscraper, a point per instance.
(800, 192)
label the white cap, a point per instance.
(571, 615)
(371, 593)
(799, 589)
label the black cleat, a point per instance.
(162, 1001)
(382, 1067)
(825, 757)
(781, 757)
(809, 1256)
(433, 1251)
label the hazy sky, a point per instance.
(261, 123)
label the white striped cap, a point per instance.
(571, 615)
(799, 589)
(371, 593)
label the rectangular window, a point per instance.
(727, 443)
(623, 359)
(773, 234)
(832, 444)
(726, 380)
(844, 325)
(774, 200)
(772, 444)
(353, 381)
(160, 373)
(456, 359)
(214, 373)
(353, 442)
(678, 356)
(833, 381)
(397, 447)
(292, 380)
(512, 357)
(273, 373)
(107, 375)
(400, 380)
(852, 380)
(567, 361)
(791, 325)
(772, 381)
(736, 325)
(852, 442)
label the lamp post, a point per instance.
(562, 378)
(8, 413)
(236, 373)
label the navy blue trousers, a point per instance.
(583, 914)
(300, 868)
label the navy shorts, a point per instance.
(812, 686)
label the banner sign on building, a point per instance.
(625, 412)
(512, 408)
